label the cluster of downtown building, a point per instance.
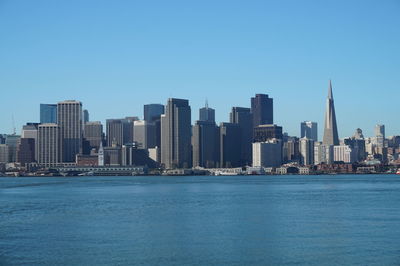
(165, 138)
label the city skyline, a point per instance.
(287, 51)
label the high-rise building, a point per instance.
(309, 130)
(380, 136)
(4, 154)
(85, 116)
(144, 134)
(49, 144)
(12, 142)
(30, 131)
(26, 151)
(306, 151)
(207, 114)
(153, 112)
(264, 133)
(243, 117)
(120, 131)
(230, 147)
(48, 113)
(344, 153)
(290, 150)
(331, 136)
(262, 110)
(205, 142)
(323, 153)
(93, 134)
(176, 134)
(69, 118)
(268, 153)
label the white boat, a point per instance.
(398, 172)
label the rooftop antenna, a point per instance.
(13, 125)
(206, 103)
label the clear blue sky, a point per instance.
(115, 56)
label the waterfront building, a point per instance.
(48, 113)
(30, 131)
(290, 150)
(309, 130)
(205, 142)
(69, 118)
(133, 155)
(264, 133)
(207, 114)
(268, 153)
(306, 151)
(244, 119)
(93, 135)
(49, 144)
(155, 154)
(176, 134)
(112, 155)
(152, 112)
(380, 136)
(230, 147)
(262, 110)
(331, 136)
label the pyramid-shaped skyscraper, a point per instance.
(330, 130)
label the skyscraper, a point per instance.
(48, 113)
(85, 116)
(93, 134)
(205, 142)
(243, 117)
(152, 112)
(69, 118)
(144, 134)
(262, 110)
(309, 130)
(267, 154)
(230, 148)
(49, 144)
(176, 134)
(331, 136)
(306, 151)
(207, 114)
(120, 131)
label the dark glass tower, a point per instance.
(243, 117)
(207, 114)
(262, 110)
(152, 112)
(48, 113)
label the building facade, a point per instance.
(48, 113)
(205, 143)
(262, 110)
(49, 144)
(309, 130)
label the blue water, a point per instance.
(243, 220)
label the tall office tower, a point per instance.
(4, 155)
(112, 155)
(267, 154)
(358, 147)
(120, 131)
(2, 139)
(243, 117)
(176, 134)
(207, 114)
(358, 134)
(93, 134)
(380, 136)
(230, 148)
(309, 130)
(48, 113)
(69, 118)
(307, 151)
(26, 151)
(144, 134)
(262, 110)
(12, 142)
(30, 131)
(205, 142)
(85, 116)
(49, 144)
(152, 112)
(331, 136)
(264, 133)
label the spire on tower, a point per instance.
(206, 103)
(330, 95)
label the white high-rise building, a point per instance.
(307, 151)
(344, 153)
(49, 144)
(267, 154)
